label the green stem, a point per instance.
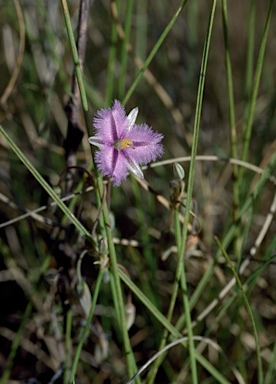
(117, 293)
(256, 82)
(190, 188)
(15, 344)
(249, 63)
(258, 350)
(250, 53)
(232, 123)
(178, 272)
(154, 51)
(68, 346)
(75, 56)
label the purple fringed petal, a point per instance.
(121, 171)
(111, 123)
(146, 143)
(111, 162)
(107, 159)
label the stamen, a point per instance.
(123, 143)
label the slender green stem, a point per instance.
(116, 285)
(250, 54)
(115, 302)
(256, 82)
(233, 138)
(232, 122)
(190, 187)
(75, 56)
(255, 332)
(15, 344)
(68, 346)
(271, 368)
(179, 277)
(196, 294)
(178, 272)
(154, 51)
(249, 66)
(187, 312)
(118, 295)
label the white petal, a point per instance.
(95, 141)
(134, 168)
(132, 118)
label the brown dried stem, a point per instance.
(73, 108)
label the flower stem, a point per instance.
(68, 346)
(118, 295)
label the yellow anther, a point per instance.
(123, 143)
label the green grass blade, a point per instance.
(46, 186)
(191, 177)
(256, 82)
(153, 52)
(247, 305)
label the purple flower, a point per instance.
(123, 144)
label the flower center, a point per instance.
(123, 143)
